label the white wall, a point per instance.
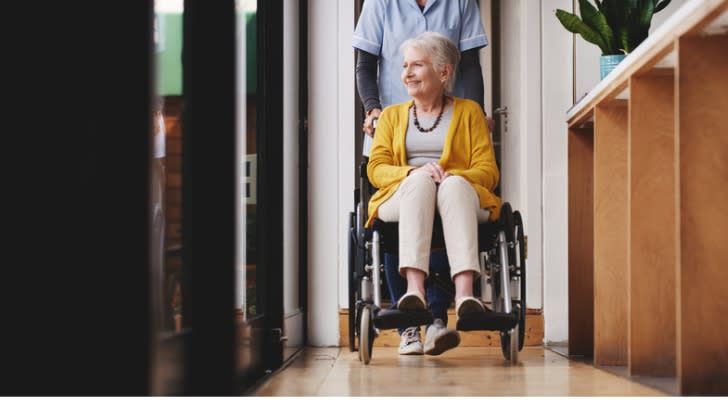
(557, 94)
(331, 157)
(660, 17)
(521, 165)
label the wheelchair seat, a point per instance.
(390, 234)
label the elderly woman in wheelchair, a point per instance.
(433, 155)
(434, 152)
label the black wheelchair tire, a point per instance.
(352, 282)
(522, 253)
(505, 339)
(508, 226)
(366, 335)
(510, 220)
(509, 353)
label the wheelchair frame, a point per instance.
(502, 283)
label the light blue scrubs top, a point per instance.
(385, 24)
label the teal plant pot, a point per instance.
(608, 63)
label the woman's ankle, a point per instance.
(463, 295)
(415, 280)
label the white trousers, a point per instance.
(413, 205)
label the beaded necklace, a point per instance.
(437, 121)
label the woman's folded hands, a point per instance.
(434, 170)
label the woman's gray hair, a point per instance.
(440, 49)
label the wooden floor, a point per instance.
(463, 371)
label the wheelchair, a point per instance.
(501, 286)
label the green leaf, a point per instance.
(660, 5)
(629, 25)
(607, 8)
(597, 21)
(623, 39)
(629, 12)
(614, 11)
(574, 24)
(628, 20)
(646, 12)
(637, 23)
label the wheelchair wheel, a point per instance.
(507, 223)
(353, 284)
(510, 340)
(366, 335)
(511, 343)
(522, 271)
(507, 345)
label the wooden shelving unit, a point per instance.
(648, 208)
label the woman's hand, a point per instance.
(434, 170)
(367, 127)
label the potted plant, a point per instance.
(616, 26)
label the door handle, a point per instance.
(501, 111)
(504, 112)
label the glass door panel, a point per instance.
(166, 201)
(250, 301)
(246, 301)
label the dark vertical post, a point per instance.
(303, 161)
(495, 43)
(208, 195)
(76, 149)
(270, 175)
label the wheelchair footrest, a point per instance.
(487, 321)
(391, 318)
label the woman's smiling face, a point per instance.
(419, 75)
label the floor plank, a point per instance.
(464, 371)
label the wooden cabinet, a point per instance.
(648, 207)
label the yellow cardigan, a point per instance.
(468, 152)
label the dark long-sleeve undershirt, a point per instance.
(366, 78)
(472, 76)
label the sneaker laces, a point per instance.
(410, 335)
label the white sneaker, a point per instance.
(439, 338)
(410, 343)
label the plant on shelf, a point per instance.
(616, 26)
